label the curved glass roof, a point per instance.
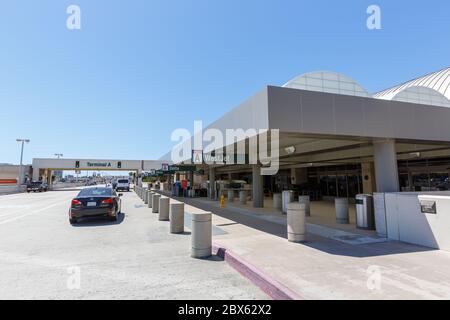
(422, 95)
(433, 89)
(330, 82)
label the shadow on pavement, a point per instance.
(326, 245)
(99, 222)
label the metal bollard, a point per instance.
(243, 197)
(150, 198)
(342, 215)
(296, 222)
(176, 217)
(164, 209)
(201, 238)
(155, 203)
(306, 200)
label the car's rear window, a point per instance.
(122, 181)
(95, 192)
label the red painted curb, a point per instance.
(271, 287)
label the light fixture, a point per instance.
(290, 150)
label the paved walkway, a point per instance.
(324, 268)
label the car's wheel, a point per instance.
(73, 221)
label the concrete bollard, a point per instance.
(287, 197)
(243, 197)
(296, 222)
(164, 209)
(342, 215)
(150, 198)
(230, 197)
(201, 238)
(155, 203)
(306, 200)
(277, 201)
(146, 196)
(176, 217)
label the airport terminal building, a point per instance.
(337, 140)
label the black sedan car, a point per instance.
(95, 202)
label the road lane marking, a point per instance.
(33, 212)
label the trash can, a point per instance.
(365, 217)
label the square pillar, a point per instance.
(212, 183)
(257, 187)
(386, 168)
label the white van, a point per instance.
(123, 184)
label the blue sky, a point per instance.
(139, 69)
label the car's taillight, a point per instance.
(107, 201)
(75, 202)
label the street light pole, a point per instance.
(59, 155)
(23, 141)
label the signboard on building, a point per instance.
(197, 156)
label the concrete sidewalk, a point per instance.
(325, 268)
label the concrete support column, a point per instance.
(176, 217)
(296, 222)
(164, 209)
(201, 238)
(257, 187)
(36, 174)
(155, 203)
(212, 183)
(49, 179)
(386, 169)
(191, 178)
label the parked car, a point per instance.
(95, 202)
(37, 186)
(123, 184)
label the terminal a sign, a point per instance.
(99, 164)
(90, 164)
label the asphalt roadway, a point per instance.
(43, 257)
